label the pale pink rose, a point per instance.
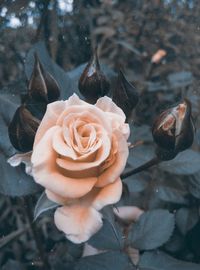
(128, 213)
(79, 152)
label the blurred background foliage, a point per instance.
(128, 34)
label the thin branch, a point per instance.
(42, 20)
(147, 165)
(12, 236)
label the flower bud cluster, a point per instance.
(42, 89)
(94, 84)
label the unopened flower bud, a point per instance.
(93, 83)
(173, 130)
(42, 86)
(22, 129)
(125, 95)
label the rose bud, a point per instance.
(42, 86)
(173, 130)
(22, 129)
(93, 83)
(125, 95)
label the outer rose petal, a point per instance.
(46, 173)
(107, 105)
(79, 223)
(128, 213)
(100, 197)
(115, 114)
(56, 198)
(25, 158)
(75, 100)
(53, 111)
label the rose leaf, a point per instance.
(160, 260)
(152, 229)
(186, 163)
(186, 219)
(43, 204)
(105, 261)
(107, 238)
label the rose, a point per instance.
(79, 152)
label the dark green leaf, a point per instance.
(135, 183)
(139, 155)
(160, 261)
(13, 265)
(186, 219)
(175, 243)
(194, 185)
(186, 163)
(169, 194)
(105, 261)
(43, 205)
(107, 238)
(157, 86)
(65, 255)
(180, 79)
(152, 230)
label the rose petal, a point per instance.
(75, 100)
(61, 147)
(114, 171)
(54, 109)
(43, 151)
(107, 105)
(101, 155)
(46, 173)
(94, 141)
(77, 222)
(80, 111)
(115, 114)
(56, 198)
(25, 158)
(128, 213)
(100, 197)
(119, 125)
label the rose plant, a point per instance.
(78, 151)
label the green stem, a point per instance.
(145, 166)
